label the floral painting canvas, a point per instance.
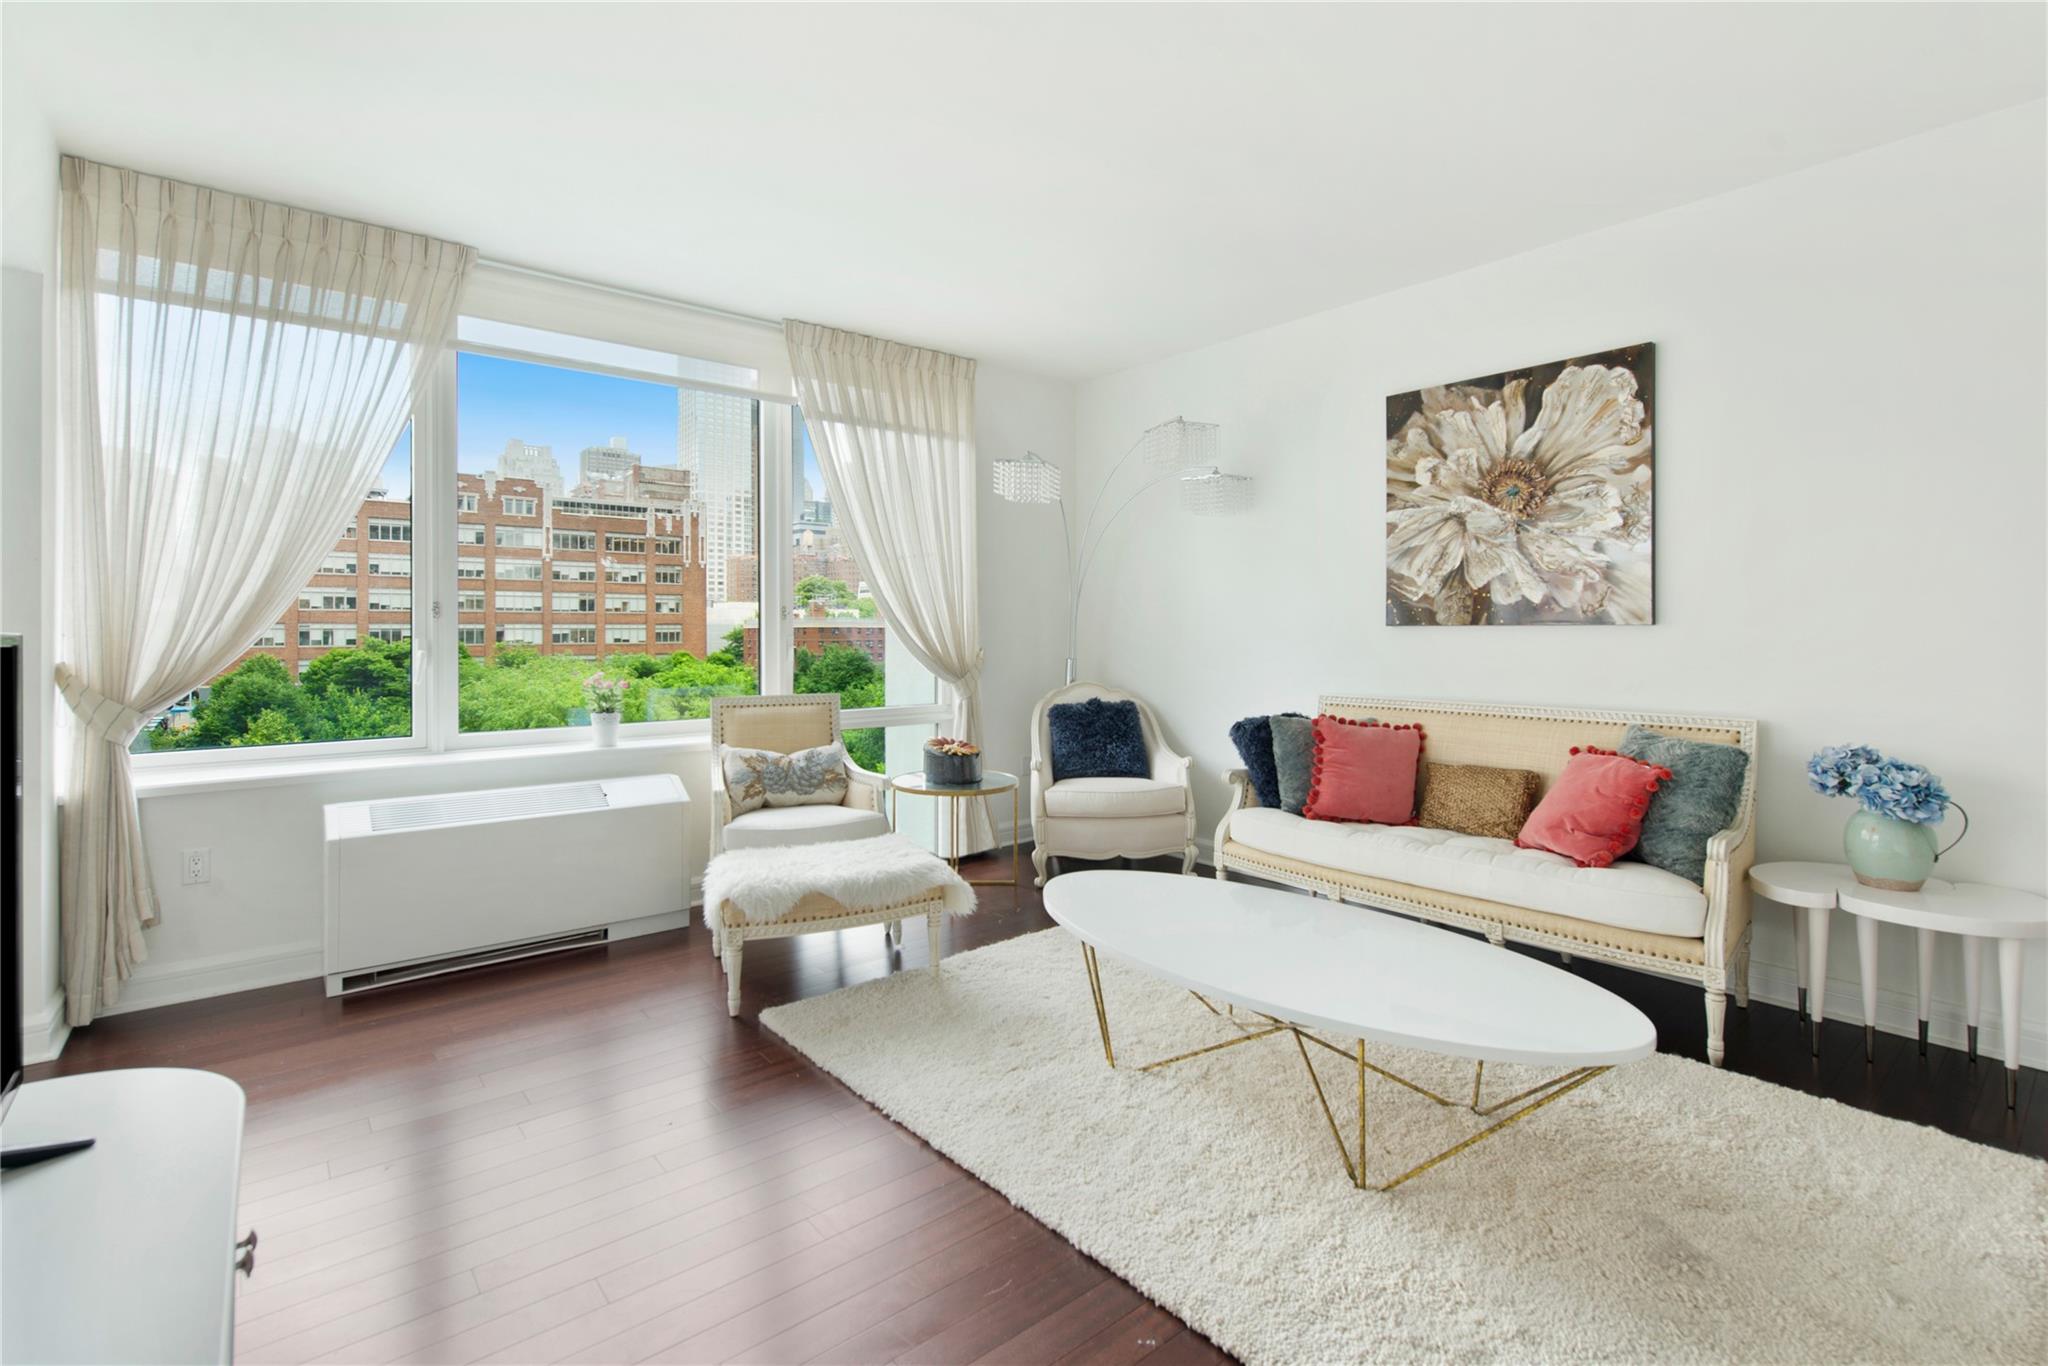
(1524, 498)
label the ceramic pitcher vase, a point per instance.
(1886, 852)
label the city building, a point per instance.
(565, 575)
(866, 634)
(743, 577)
(524, 460)
(716, 437)
(661, 483)
(577, 575)
(611, 461)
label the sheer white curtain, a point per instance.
(231, 376)
(893, 428)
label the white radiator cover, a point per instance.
(411, 880)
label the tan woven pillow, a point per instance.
(1473, 799)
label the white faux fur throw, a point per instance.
(861, 875)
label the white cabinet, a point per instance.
(124, 1252)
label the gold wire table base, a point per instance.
(957, 826)
(1536, 1097)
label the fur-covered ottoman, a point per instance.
(775, 892)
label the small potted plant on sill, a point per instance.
(604, 696)
(951, 763)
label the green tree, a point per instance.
(685, 686)
(841, 669)
(734, 651)
(868, 747)
(816, 587)
(351, 715)
(516, 655)
(259, 684)
(632, 666)
(867, 608)
(528, 691)
(269, 727)
(380, 669)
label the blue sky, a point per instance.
(550, 405)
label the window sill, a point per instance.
(183, 781)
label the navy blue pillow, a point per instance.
(1253, 737)
(1097, 739)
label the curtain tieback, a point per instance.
(101, 715)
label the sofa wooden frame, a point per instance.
(1458, 732)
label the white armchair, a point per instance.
(785, 725)
(1101, 818)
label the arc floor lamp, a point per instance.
(1179, 452)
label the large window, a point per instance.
(628, 478)
(837, 640)
(579, 505)
(325, 672)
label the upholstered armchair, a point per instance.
(1102, 818)
(786, 725)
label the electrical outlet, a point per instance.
(198, 867)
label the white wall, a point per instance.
(1023, 586)
(1850, 488)
(257, 921)
(28, 222)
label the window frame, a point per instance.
(587, 313)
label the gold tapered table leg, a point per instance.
(1361, 1114)
(1095, 990)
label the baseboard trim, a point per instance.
(195, 979)
(43, 1034)
(1898, 1012)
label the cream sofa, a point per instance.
(1630, 913)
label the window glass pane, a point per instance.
(339, 665)
(839, 640)
(661, 490)
(900, 749)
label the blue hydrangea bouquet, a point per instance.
(1887, 841)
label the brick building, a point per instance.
(742, 577)
(866, 635)
(572, 575)
(565, 575)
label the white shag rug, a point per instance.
(1664, 1212)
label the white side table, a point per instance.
(1973, 910)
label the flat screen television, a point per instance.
(10, 869)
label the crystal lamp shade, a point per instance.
(1180, 444)
(1027, 480)
(1209, 492)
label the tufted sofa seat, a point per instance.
(1629, 896)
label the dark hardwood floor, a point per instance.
(582, 1158)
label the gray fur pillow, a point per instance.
(755, 778)
(1294, 752)
(1698, 802)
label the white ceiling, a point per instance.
(1068, 189)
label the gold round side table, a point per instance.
(992, 784)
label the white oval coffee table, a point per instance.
(1299, 965)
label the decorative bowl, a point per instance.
(951, 770)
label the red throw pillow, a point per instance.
(1363, 771)
(1593, 813)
